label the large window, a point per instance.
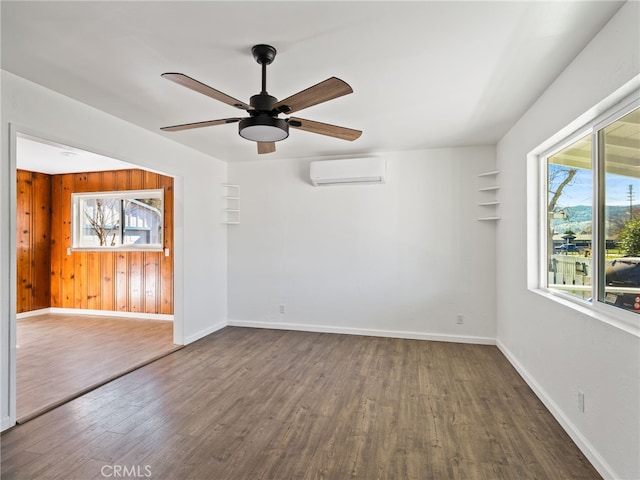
(591, 216)
(118, 220)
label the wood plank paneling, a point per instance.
(24, 192)
(136, 271)
(56, 235)
(121, 292)
(116, 281)
(79, 278)
(151, 270)
(33, 256)
(67, 261)
(165, 273)
(108, 263)
(48, 276)
(136, 180)
(94, 280)
(135, 275)
(107, 287)
(41, 241)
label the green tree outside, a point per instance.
(629, 238)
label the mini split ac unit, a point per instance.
(350, 171)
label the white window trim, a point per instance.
(543, 199)
(605, 113)
(121, 194)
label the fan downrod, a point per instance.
(264, 54)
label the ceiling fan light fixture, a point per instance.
(263, 129)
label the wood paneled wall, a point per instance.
(116, 280)
(33, 222)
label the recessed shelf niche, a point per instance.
(231, 211)
(488, 196)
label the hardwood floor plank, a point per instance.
(263, 404)
(62, 356)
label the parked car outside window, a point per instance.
(625, 273)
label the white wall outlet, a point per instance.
(460, 319)
(580, 399)
(281, 308)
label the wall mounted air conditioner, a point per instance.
(352, 171)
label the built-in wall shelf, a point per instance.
(231, 211)
(489, 174)
(488, 200)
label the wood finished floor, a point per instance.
(61, 356)
(245, 404)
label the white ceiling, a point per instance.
(38, 155)
(424, 74)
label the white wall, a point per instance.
(556, 348)
(398, 259)
(200, 268)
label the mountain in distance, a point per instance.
(579, 218)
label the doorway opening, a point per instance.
(85, 316)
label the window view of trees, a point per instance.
(103, 219)
(587, 234)
(620, 156)
(629, 238)
(118, 219)
(570, 219)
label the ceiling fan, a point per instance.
(263, 125)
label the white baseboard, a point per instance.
(104, 313)
(33, 313)
(204, 333)
(365, 332)
(580, 440)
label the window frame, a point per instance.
(543, 253)
(120, 195)
(617, 316)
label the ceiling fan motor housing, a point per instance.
(263, 102)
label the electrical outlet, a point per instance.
(281, 308)
(460, 319)
(580, 401)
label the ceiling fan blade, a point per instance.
(325, 129)
(186, 81)
(328, 90)
(208, 123)
(266, 147)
